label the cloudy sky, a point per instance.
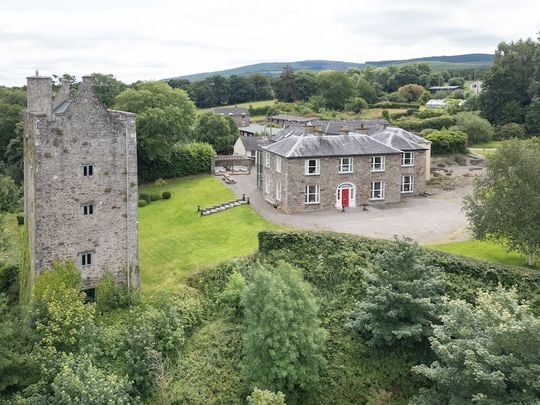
(143, 39)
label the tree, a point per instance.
(506, 90)
(478, 129)
(509, 131)
(532, 119)
(10, 194)
(107, 88)
(484, 354)
(262, 89)
(285, 86)
(265, 397)
(284, 340)
(305, 84)
(240, 89)
(505, 203)
(356, 104)
(219, 131)
(165, 117)
(12, 104)
(411, 92)
(335, 87)
(402, 299)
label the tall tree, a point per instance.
(507, 86)
(262, 88)
(285, 86)
(284, 339)
(505, 203)
(402, 299)
(240, 89)
(335, 87)
(219, 131)
(107, 87)
(485, 354)
(165, 117)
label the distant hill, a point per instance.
(472, 60)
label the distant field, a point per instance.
(174, 241)
(255, 104)
(486, 251)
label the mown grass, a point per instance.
(11, 247)
(487, 145)
(254, 104)
(486, 251)
(175, 242)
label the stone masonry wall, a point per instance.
(294, 180)
(56, 148)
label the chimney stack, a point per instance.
(39, 95)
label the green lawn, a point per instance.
(254, 104)
(174, 241)
(11, 252)
(487, 145)
(486, 251)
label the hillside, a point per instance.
(274, 68)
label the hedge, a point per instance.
(417, 124)
(447, 141)
(392, 104)
(463, 275)
(186, 159)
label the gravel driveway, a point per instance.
(429, 220)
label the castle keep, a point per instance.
(80, 183)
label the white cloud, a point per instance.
(152, 40)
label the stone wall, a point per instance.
(56, 148)
(294, 180)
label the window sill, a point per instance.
(311, 203)
(312, 174)
(408, 165)
(346, 172)
(376, 199)
(407, 192)
(377, 171)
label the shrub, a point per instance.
(20, 220)
(509, 131)
(390, 104)
(145, 197)
(411, 92)
(160, 182)
(417, 124)
(166, 195)
(478, 129)
(447, 141)
(10, 194)
(142, 203)
(356, 104)
(155, 197)
(430, 113)
(110, 296)
(265, 397)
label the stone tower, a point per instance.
(80, 183)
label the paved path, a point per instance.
(428, 220)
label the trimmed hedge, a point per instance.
(463, 275)
(417, 124)
(447, 141)
(392, 104)
(142, 203)
(166, 195)
(186, 159)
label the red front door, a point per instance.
(345, 198)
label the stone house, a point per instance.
(239, 115)
(80, 183)
(313, 171)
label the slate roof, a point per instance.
(309, 145)
(251, 143)
(332, 127)
(62, 108)
(230, 110)
(400, 139)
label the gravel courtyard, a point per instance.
(428, 220)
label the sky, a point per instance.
(157, 39)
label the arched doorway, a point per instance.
(345, 195)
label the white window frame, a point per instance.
(410, 184)
(404, 159)
(308, 166)
(349, 165)
(267, 159)
(278, 164)
(87, 259)
(373, 190)
(278, 191)
(267, 187)
(88, 209)
(377, 166)
(316, 192)
(88, 170)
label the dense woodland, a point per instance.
(310, 318)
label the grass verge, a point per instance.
(486, 251)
